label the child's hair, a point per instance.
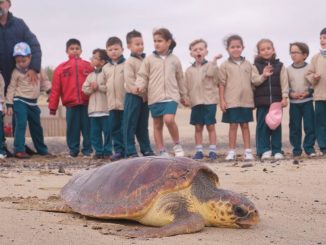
(72, 41)
(302, 46)
(323, 31)
(131, 35)
(102, 53)
(227, 40)
(166, 35)
(193, 43)
(260, 42)
(113, 40)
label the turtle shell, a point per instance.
(125, 189)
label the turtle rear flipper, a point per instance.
(191, 223)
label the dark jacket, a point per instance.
(270, 90)
(67, 82)
(13, 32)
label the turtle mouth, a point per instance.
(248, 221)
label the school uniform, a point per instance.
(136, 112)
(301, 110)
(98, 113)
(114, 77)
(267, 91)
(22, 97)
(162, 77)
(202, 92)
(238, 92)
(317, 66)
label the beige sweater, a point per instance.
(97, 99)
(201, 83)
(115, 92)
(2, 89)
(162, 78)
(20, 86)
(318, 66)
(236, 79)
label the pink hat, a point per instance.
(273, 118)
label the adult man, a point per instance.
(12, 31)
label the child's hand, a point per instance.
(295, 95)
(303, 95)
(184, 102)
(317, 77)
(284, 102)
(53, 112)
(94, 86)
(4, 112)
(139, 90)
(268, 71)
(217, 57)
(9, 111)
(32, 75)
(223, 106)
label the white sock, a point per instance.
(199, 148)
(212, 148)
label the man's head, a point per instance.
(22, 54)
(114, 48)
(4, 7)
(73, 48)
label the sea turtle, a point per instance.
(177, 195)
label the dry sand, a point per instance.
(291, 199)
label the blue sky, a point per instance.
(93, 22)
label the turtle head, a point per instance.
(230, 209)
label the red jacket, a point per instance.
(67, 82)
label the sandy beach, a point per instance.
(290, 197)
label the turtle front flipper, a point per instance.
(190, 223)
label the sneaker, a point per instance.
(29, 151)
(22, 155)
(312, 154)
(48, 155)
(266, 155)
(248, 156)
(278, 156)
(116, 157)
(133, 155)
(149, 154)
(8, 153)
(212, 155)
(164, 154)
(199, 155)
(230, 156)
(72, 155)
(178, 151)
(3, 156)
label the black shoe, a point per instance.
(8, 153)
(29, 151)
(149, 154)
(133, 155)
(116, 157)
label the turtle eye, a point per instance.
(240, 212)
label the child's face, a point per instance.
(296, 55)
(74, 50)
(323, 41)
(161, 45)
(114, 52)
(199, 52)
(23, 61)
(136, 45)
(266, 50)
(235, 49)
(96, 60)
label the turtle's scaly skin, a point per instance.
(178, 194)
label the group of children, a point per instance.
(109, 99)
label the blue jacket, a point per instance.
(15, 31)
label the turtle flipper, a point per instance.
(191, 223)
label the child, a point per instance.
(316, 75)
(22, 101)
(136, 112)
(236, 96)
(270, 79)
(2, 111)
(113, 74)
(201, 80)
(98, 112)
(301, 102)
(162, 76)
(67, 82)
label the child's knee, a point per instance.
(169, 121)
